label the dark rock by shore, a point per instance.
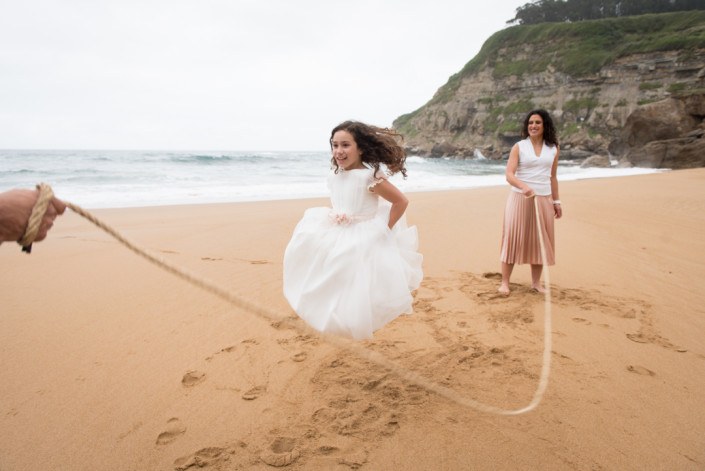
(665, 134)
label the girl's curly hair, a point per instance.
(377, 146)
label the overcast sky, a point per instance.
(224, 74)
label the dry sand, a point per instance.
(109, 363)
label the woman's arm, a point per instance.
(510, 173)
(392, 194)
(554, 186)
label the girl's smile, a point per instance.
(345, 151)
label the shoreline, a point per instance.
(111, 363)
(411, 192)
(138, 179)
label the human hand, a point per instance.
(15, 209)
(557, 210)
(528, 192)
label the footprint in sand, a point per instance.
(172, 432)
(355, 460)
(301, 356)
(282, 324)
(492, 275)
(491, 295)
(209, 259)
(254, 393)
(640, 370)
(282, 452)
(136, 426)
(637, 338)
(192, 378)
(581, 320)
(327, 449)
(202, 458)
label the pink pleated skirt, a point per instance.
(520, 236)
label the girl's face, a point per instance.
(535, 125)
(345, 151)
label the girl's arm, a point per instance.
(511, 171)
(554, 186)
(392, 194)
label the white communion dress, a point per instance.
(345, 271)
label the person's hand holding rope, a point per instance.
(27, 215)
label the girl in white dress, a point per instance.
(350, 269)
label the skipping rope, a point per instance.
(46, 194)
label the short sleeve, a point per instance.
(376, 180)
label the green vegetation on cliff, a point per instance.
(576, 49)
(583, 48)
(560, 11)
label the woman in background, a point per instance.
(531, 172)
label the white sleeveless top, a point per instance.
(535, 170)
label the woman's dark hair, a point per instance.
(377, 146)
(549, 130)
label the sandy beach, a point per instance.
(110, 363)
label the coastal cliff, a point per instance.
(592, 76)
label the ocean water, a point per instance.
(113, 178)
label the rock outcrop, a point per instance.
(684, 152)
(601, 161)
(591, 91)
(666, 134)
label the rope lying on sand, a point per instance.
(46, 194)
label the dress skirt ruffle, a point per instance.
(351, 276)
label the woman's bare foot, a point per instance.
(538, 288)
(503, 289)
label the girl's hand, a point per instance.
(527, 192)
